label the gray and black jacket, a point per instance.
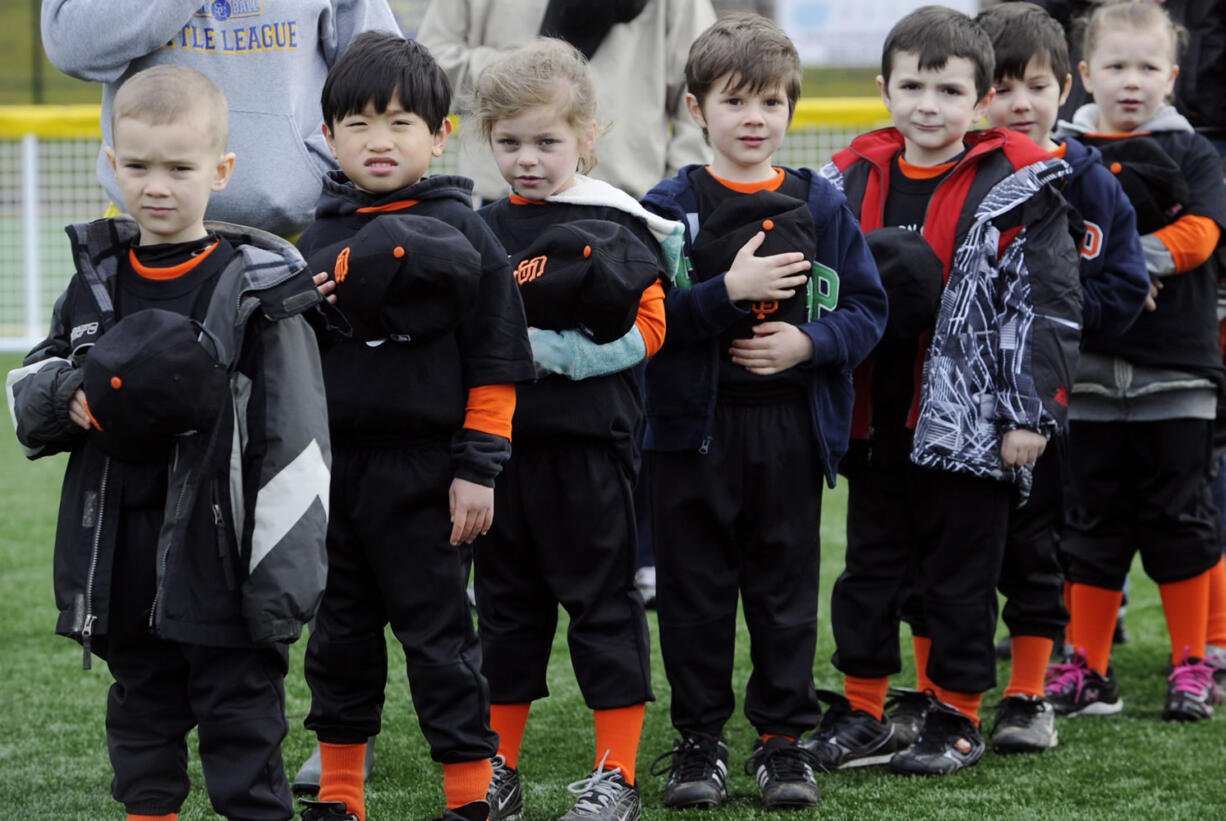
(241, 557)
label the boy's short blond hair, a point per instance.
(167, 94)
(751, 51)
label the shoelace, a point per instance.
(1192, 677)
(599, 789)
(692, 760)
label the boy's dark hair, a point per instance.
(751, 50)
(379, 66)
(1021, 31)
(936, 33)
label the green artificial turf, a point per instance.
(53, 762)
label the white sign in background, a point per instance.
(847, 32)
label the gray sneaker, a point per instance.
(505, 796)
(1024, 724)
(605, 796)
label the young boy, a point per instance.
(748, 407)
(1032, 80)
(420, 397)
(190, 546)
(951, 413)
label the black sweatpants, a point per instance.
(1140, 486)
(389, 561)
(743, 518)
(934, 534)
(234, 696)
(564, 533)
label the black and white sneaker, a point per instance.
(505, 796)
(1024, 724)
(697, 769)
(605, 796)
(784, 772)
(906, 710)
(949, 742)
(849, 738)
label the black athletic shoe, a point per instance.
(784, 772)
(1075, 689)
(1190, 691)
(948, 743)
(906, 710)
(849, 738)
(697, 769)
(326, 811)
(505, 796)
(1024, 724)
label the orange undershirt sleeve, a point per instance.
(490, 408)
(650, 320)
(1191, 240)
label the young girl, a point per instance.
(1142, 416)
(565, 530)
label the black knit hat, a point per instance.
(151, 377)
(913, 276)
(1153, 181)
(787, 222)
(404, 276)
(585, 274)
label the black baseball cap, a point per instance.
(586, 274)
(153, 376)
(402, 275)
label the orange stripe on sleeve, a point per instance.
(1191, 239)
(490, 408)
(650, 320)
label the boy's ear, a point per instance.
(1065, 88)
(225, 170)
(440, 138)
(695, 108)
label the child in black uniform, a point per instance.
(420, 398)
(191, 539)
(748, 408)
(588, 261)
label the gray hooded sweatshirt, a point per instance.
(270, 57)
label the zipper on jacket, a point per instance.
(87, 628)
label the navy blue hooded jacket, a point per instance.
(1114, 281)
(682, 378)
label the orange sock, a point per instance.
(923, 647)
(1216, 634)
(342, 775)
(509, 721)
(867, 694)
(466, 782)
(170, 816)
(1030, 657)
(617, 738)
(1095, 610)
(965, 703)
(1068, 605)
(1186, 604)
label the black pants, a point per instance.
(935, 535)
(1140, 486)
(389, 561)
(564, 533)
(234, 696)
(745, 519)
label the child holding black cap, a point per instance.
(420, 381)
(181, 379)
(748, 409)
(588, 260)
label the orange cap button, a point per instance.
(398, 251)
(768, 225)
(116, 382)
(587, 251)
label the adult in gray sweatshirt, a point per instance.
(270, 57)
